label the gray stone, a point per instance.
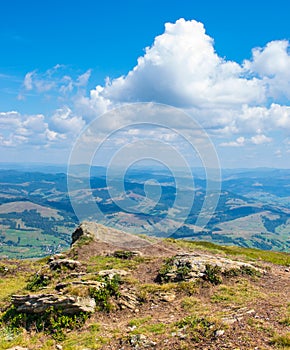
(219, 333)
(117, 238)
(167, 297)
(93, 284)
(193, 266)
(60, 263)
(127, 300)
(140, 341)
(112, 273)
(57, 256)
(38, 303)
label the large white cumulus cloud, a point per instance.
(239, 104)
(182, 69)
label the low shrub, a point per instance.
(52, 321)
(103, 295)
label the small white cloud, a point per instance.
(28, 85)
(239, 142)
(63, 121)
(55, 80)
(260, 139)
(83, 79)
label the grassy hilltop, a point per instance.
(144, 300)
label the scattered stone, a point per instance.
(57, 257)
(229, 320)
(128, 300)
(18, 348)
(77, 274)
(167, 297)
(237, 315)
(93, 284)
(181, 335)
(60, 263)
(219, 333)
(58, 347)
(252, 311)
(38, 303)
(140, 341)
(112, 273)
(3, 270)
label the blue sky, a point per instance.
(227, 64)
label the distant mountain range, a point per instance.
(36, 213)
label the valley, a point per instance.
(37, 215)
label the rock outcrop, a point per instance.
(117, 238)
(38, 303)
(58, 264)
(193, 266)
(87, 284)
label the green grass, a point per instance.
(279, 258)
(239, 294)
(282, 340)
(30, 244)
(148, 328)
(198, 327)
(89, 338)
(285, 320)
(98, 263)
(137, 322)
(12, 285)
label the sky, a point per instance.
(225, 64)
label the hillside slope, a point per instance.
(37, 217)
(106, 293)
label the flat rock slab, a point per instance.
(38, 303)
(109, 235)
(67, 263)
(196, 265)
